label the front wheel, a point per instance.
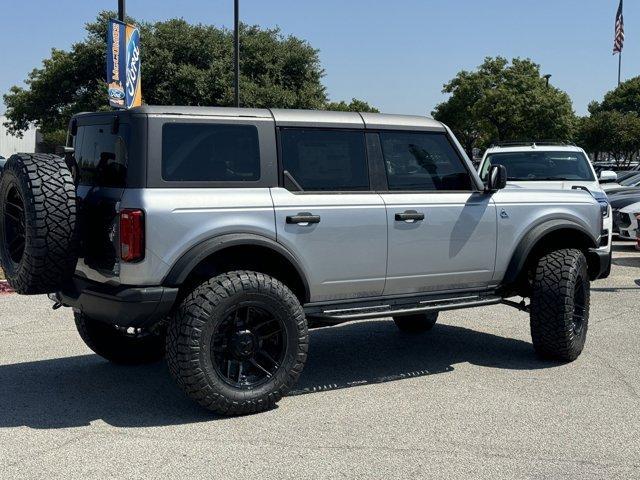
(560, 305)
(238, 343)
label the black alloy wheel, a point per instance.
(579, 307)
(248, 346)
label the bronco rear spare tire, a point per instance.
(38, 240)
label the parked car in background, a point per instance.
(620, 185)
(620, 201)
(551, 165)
(2, 162)
(603, 166)
(628, 221)
(626, 174)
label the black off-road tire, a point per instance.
(419, 323)
(560, 305)
(119, 345)
(197, 322)
(38, 238)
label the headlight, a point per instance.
(604, 208)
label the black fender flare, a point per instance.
(199, 252)
(532, 237)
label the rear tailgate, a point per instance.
(101, 154)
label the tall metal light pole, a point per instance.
(236, 50)
(121, 10)
(547, 77)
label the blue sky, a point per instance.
(394, 54)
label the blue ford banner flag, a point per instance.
(123, 65)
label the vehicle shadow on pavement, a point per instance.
(626, 246)
(376, 351)
(75, 391)
(627, 261)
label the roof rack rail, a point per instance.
(533, 143)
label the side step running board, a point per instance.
(378, 311)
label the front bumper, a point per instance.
(627, 225)
(599, 263)
(124, 306)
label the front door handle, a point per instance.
(409, 216)
(303, 219)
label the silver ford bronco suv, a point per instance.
(217, 237)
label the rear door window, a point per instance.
(325, 160)
(102, 157)
(422, 162)
(210, 152)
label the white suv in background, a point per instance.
(551, 165)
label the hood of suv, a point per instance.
(556, 185)
(632, 209)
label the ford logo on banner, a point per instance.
(123, 65)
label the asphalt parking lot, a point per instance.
(467, 400)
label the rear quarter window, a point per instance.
(210, 152)
(102, 156)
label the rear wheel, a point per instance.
(128, 346)
(419, 323)
(238, 343)
(560, 305)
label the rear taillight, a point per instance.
(131, 235)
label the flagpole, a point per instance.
(121, 10)
(236, 52)
(618, 42)
(619, 67)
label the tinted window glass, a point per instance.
(532, 166)
(208, 152)
(102, 157)
(631, 181)
(326, 160)
(422, 161)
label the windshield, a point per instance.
(631, 181)
(539, 166)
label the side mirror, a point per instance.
(608, 176)
(497, 178)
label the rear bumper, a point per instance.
(125, 306)
(599, 264)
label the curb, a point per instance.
(4, 287)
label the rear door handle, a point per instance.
(303, 219)
(409, 216)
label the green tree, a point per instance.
(182, 64)
(355, 106)
(611, 132)
(613, 126)
(625, 98)
(502, 101)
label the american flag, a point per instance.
(618, 42)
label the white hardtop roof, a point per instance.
(534, 148)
